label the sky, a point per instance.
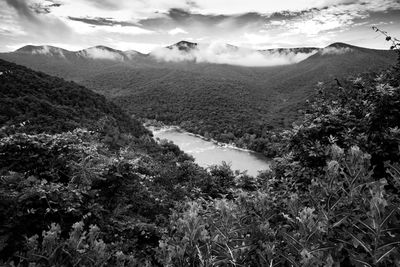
(146, 25)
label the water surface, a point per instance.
(208, 153)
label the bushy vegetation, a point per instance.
(331, 198)
(54, 185)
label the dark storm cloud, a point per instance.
(103, 22)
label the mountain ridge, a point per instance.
(186, 46)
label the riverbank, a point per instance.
(208, 152)
(152, 126)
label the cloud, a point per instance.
(35, 22)
(140, 47)
(226, 54)
(252, 23)
(44, 8)
(229, 7)
(48, 50)
(102, 29)
(176, 17)
(22, 9)
(336, 50)
(101, 53)
(177, 31)
(103, 21)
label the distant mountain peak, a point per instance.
(102, 47)
(28, 48)
(102, 52)
(337, 49)
(183, 46)
(341, 45)
(42, 50)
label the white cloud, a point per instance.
(336, 50)
(135, 10)
(140, 47)
(122, 10)
(332, 18)
(100, 53)
(224, 54)
(315, 27)
(47, 50)
(131, 30)
(230, 7)
(177, 31)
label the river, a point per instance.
(208, 153)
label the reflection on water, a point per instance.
(208, 153)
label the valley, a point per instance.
(230, 103)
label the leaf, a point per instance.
(367, 226)
(321, 249)
(387, 217)
(385, 254)
(388, 244)
(290, 260)
(337, 202)
(363, 262)
(361, 243)
(339, 222)
(292, 238)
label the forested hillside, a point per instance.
(35, 102)
(225, 102)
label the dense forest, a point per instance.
(232, 104)
(35, 102)
(331, 197)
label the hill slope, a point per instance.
(48, 104)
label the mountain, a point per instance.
(43, 50)
(41, 103)
(183, 46)
(224, 101)
(103, 53)
(305, 50)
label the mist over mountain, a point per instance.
(218, 53)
